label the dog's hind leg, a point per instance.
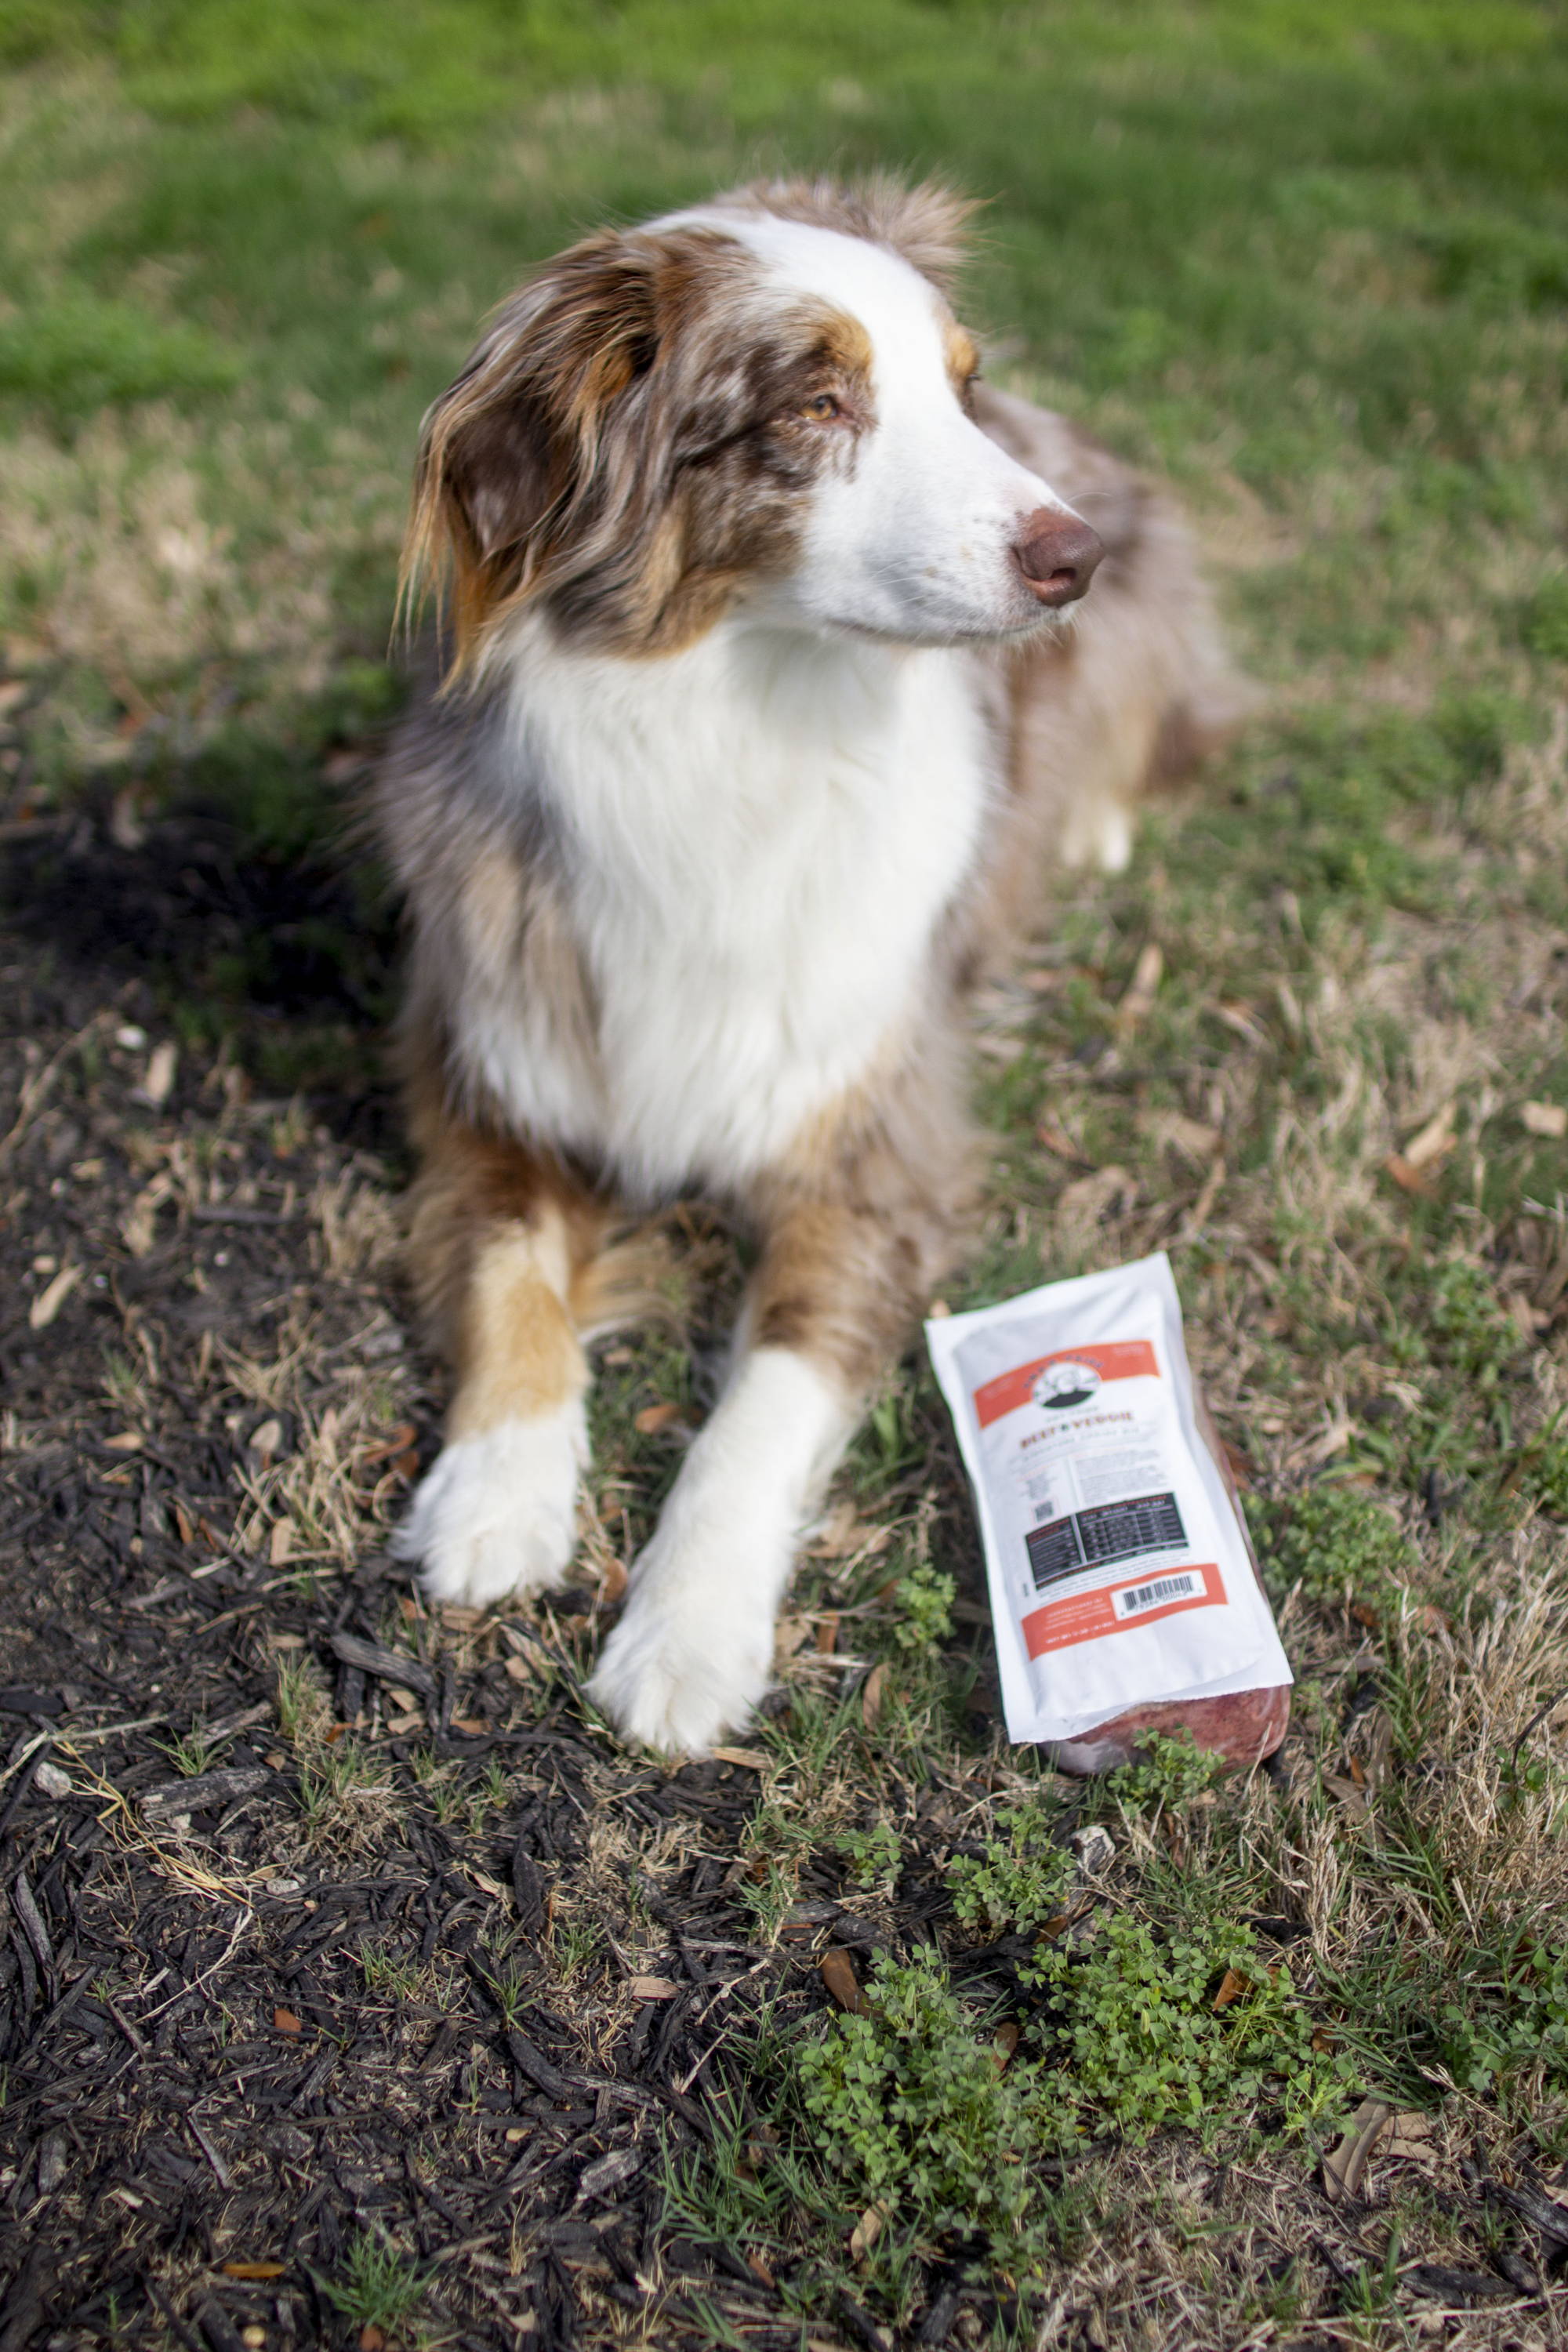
(849, 1257)
(1137, 689)
(503, 1249)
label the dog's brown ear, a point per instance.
(511, 452)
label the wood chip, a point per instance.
(1408, 1179)
(867, 2232)
(1060, 1144)
(254, 2270)
(608, 2173)
(49, 1301)
(1545, 1118)
(1147, 974)
(387, 1665)
(286, 2022)
(158, 1084)
(749, 1760)
(655, 1417)
(1434, 1141)
(612, 1580)
(125, 1440)
(1443, 2284)
(838, 1534)
(759, 2268)
(837, 1972)
(1194, 1137)
(651, 1989)
(871, 1696)
(403, 1437)
(1345, 2166)
(202, 1790)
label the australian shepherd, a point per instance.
(767, 700)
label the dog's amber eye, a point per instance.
(823, 408)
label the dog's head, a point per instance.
(765, 400)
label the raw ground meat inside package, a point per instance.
(1122, 1583)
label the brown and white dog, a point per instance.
(761, 724)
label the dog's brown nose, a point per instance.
(1056, 554)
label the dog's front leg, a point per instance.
(834, 1297)
(693, 1650)
(498, 1242)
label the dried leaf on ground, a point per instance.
(837, 1972)
(1345, 2165)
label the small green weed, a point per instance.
(1333, 1542)
(1471, 1331)
(774, 1844)
(1482, 2008)
(1149, 2030)
(1170, 1771)
(388, 1972)
(380, 2284)
(912, 2110)
(924, 1598)
(1022, 1879)
(122, 1381)
(576, 1945)
(508, 1984)
(1543, 1469)
(194, 1753)
(1527, 2026)
(874, 1857)
(344, 1794)
(301, 1700)
(1545, 629)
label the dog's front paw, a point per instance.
(498, 1513)
(688, 1660)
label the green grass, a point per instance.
(1308, 262)
(380, 2285)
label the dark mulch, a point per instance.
(200, 2071)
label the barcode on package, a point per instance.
(1157, 1595)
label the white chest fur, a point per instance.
(764, 833)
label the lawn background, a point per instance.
(1310, 262)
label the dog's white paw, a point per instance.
(689, 1659)
(1098, 832)
(498, 1513)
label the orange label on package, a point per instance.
(1112, 1608)
(1048, 1380)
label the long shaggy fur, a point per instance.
(758, 722)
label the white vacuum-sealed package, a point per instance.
(1123, 1588)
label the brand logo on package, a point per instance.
(1068, 1378)
(1060, 1385)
